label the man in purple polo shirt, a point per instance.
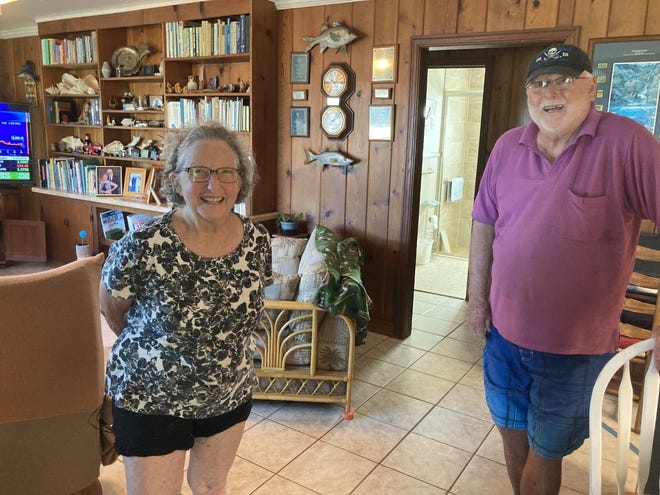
(556, 224)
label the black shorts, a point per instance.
(143, 435)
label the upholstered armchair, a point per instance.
(51, 380)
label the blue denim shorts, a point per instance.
(546, 394)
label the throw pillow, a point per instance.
(333, 344)
(286, 253)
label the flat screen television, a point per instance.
(15, 144)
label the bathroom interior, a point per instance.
(449, 167)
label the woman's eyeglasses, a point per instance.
(227, 175)
(561, 83)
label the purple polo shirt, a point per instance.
(566, 233)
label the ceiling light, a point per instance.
(2, 2)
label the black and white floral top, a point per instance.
(186, 349)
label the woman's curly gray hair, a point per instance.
(178, 144)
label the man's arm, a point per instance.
(481, 260)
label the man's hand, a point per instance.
(478, 316)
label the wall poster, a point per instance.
(628, 78)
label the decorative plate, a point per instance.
(128, 59)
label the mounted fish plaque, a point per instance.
(328, 158)
(335, 36)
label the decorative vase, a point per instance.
(106, 69)
(83, 251)
(288, 228)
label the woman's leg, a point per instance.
(210, 461)
(155, 475)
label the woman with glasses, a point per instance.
(183, 294)
(556, 223)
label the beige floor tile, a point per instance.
(311, 419)
(280, 486)
(421, 307)
(474, 378)
(433, 325)
(492, 447)
(420, 386)
(328, 470)
(245, 477)
(454, 429)
(272, 445)
(375, 371)
(265, 408)
(365, 437)
(395, 409)
(459, 349)
(394, 352)
(468, 401)
(442, 367)
(361, 392)
(428, 460)
(422, 340)
(483, 476)
(456, 315)
(463, 333)
(385, 481)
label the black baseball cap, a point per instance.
(568, 60)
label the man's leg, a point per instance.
(540, 476)
(516, 449)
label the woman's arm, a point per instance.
(481, 259)
(113, 309)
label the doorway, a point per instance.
(452, 130)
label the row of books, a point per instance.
(78, 50)
(69, 174)
(114, 223)
(65, 111)
(207, 38)
(232, 113)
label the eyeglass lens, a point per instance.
(203, 174)
(559, 83)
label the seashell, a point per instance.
(52, 90)
(91, 82)
(113, 148)
(127, 122)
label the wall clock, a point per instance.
(338, 81)
(336, 121)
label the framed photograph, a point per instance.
(299, 95)
(109, 181)
(134, 182)
(155, 101)
(384, 64)
(152, 185)
(300, 121)
(300, 68)
(627, 74)
(381, 120)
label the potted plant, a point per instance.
(288, 222)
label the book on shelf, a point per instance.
(137, 220)
(113, 224)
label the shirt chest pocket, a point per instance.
(582, 218)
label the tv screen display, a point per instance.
(15, 144)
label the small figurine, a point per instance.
(243, 85)
(192, 84)
(169, 88)
(177, 88)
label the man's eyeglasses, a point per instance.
(561, 83)
(227, 175)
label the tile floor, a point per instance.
(421, 424)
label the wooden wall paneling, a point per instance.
(541, 14)
(472, 16)
(386, 22)
(627, 16)
(505, 15)
(285, 141)
(357, 180)
(565, 13)
(652, 18)
(332, 198)
(306, 178)
(7, 63)
(440, 16)
(593, 16)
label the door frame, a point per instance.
(420, 46)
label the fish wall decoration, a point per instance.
(335, 36)
(328, 158)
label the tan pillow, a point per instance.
(286, 254)
(332, 344)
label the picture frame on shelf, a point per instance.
(155, 102)
(300, 68)
(134, 182)
(300, 121)
(109, 181)
(152, 185)
(383, 63)
(381, 121)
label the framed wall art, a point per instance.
(381, 121)
(384, 64)
(108, 181)
(134, 182)
(300, 121)
(300, 68)
(627, 73)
